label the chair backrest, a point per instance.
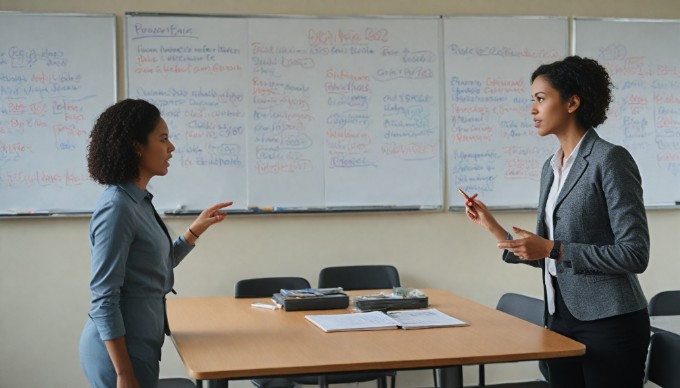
(359, 277)
(529, 309)
(522, 306)
(262, 287)
(664, 353)
(665, 303)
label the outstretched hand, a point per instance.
(210, 217)
(530, 247)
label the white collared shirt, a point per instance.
(560, 176)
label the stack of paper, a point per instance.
(421, 319)
(376, 320)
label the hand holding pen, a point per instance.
(478, 213)
(472, 207)
(469, 201)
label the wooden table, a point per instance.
(669, 323)
(225, 338)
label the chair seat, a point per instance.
(176, 383)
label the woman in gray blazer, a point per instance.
(591, 236)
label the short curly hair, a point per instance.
(111, 154)
(585, 78)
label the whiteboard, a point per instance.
(194, 70)
(57, 74)
(643, 60)
(323, 113)
(293, 112)
(492, 148)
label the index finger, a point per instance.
(508, 244)
(221, 205)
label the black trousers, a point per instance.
(616, 349)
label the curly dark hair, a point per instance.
(585, 78)
(111, 154)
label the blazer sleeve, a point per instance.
(616, 228)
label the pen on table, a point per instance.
(470, 201)
(263, 306)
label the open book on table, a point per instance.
(377, 320)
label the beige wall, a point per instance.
(44, 263)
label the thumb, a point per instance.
(522, 232)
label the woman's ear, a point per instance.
(574, 103)
(137, 147)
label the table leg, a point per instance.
(218, 383)
(451, 377)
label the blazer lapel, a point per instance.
(547, 177)
(579, 166)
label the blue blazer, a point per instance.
(601, 220)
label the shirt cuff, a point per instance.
(109, 327)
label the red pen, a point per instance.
(470, 201)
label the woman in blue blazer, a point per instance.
(591, 235)
(132, 253)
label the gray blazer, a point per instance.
(600, 219)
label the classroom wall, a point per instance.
(44, 262)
